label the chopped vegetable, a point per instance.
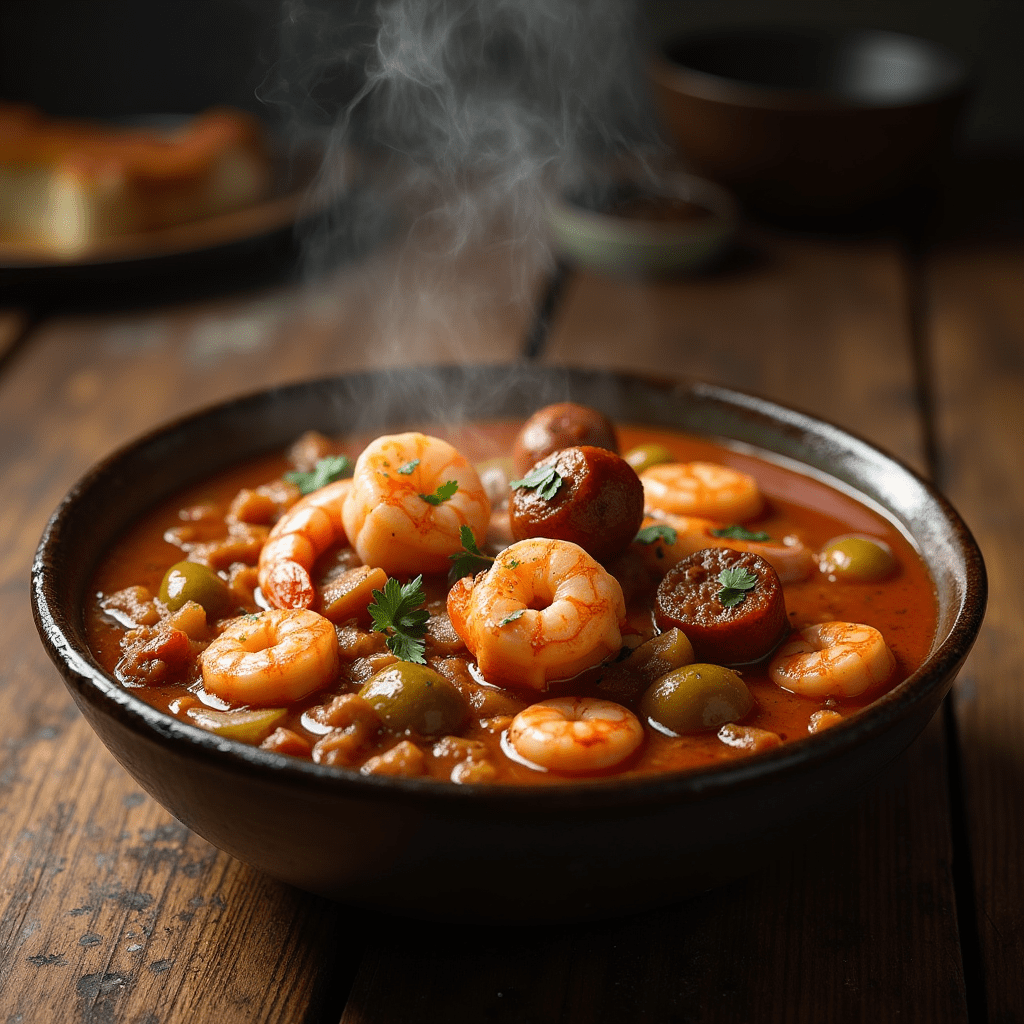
(408, 467)
(398, 612)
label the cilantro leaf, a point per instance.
(326, 471)
(735, 584)
(470, 560)
(657, 531)
(737, 532)
(511, 617)
(408, 467)
(544, 479)
(398, 612)
(443, 493)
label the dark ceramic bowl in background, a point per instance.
(513, 853)
(810, 121)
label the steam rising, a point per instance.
(465, 117)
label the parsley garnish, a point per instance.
(408, 467)
(470, 560)
(443, 493)
(545, 479)
(511, 617)
(737, 532)
(654, 533)
(326, 471)
(397, 612)
(735, 584)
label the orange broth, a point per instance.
(902, 607)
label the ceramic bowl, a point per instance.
(810, 121)
(678, 224)
(420, 847)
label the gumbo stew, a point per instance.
(609, 600)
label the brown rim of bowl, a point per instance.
(706, 85)
(62, 629)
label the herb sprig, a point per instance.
(736, 584)
(470, 560)
(442, 494)
(657, 531)
(326, 471)
(544, 479)
(398, 612)
(737, 532)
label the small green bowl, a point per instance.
(616, 239)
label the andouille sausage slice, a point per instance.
(562, 425)
(724, 627)
(597, 502)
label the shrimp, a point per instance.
(271, 658)
(702, 489)
(832, 659)
(575, 734)
(387, 515)
(789, 557)
(544, 610)
(297, 539)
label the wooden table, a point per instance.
(912, 908)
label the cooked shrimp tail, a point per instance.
(311, 526)
(273, 657)
(832, 659)
(411, 495)
(704, 489)
(575, 734)
(545, 610)
(789, 557)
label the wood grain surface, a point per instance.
(975, 306)
(836, 929)
(111, 912)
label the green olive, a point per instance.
(190, 581)
(643, 456)
(251, 727)
(695, 698)
(861, 559)
(415, 698)
(661, 654)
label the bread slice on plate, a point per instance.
(66, 186)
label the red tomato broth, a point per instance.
(902, 607)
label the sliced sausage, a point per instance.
(724, 628)
(563, 425)
(597, 502)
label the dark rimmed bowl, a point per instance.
(810, 121)
(511, 853)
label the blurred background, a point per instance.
(120, 57)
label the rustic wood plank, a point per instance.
(109, 909)
(859, 924)
(976, 329)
